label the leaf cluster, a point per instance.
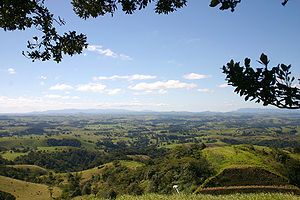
(231, 4)
(95, 8)
(273, 86)
(225, 4)
(24, 14)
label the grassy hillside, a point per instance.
(261, 196)
(33, 168)
(242, 176)
(242, 155)
(9, 142)
(249, 189)
(11, 155)
(89, 173)
(149, 154)
(24, 190)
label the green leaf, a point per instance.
(247, 62)
(214, 3)
(264, 59)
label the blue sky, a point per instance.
(147, 61)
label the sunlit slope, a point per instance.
(242, 155)
(210, 197)
(89, 173)
(33, 168)
(26, 191)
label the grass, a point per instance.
(54, 149)
(261, 196)
(239, 155)
(131, 164)
(295, 156)
(33, 168)
(245, 176)
(89, 173)
(23, 190)
(249, 189)
(26, 141)
(11, 155)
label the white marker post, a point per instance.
(176, 188)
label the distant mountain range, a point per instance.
(265, 110)
(110, 111)
(124, 111)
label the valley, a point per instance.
(94, 156)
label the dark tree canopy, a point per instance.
(272, 87)
(24, 14)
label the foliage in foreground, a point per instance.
(6, 196)
(51, 45)
(273, 86)
(262, 196)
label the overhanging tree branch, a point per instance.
(24, 14)
(273, 86)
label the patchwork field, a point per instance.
(107, 156)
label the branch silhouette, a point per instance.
(26, 14)
(274, 86)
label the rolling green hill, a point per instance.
(243, 176)
(25, 191)
(208, 197)
(33, 168)
(89, 173)
(242, 155)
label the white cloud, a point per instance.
(125, 57)
(55, 96)
(140, 77)
(11, 71)
(43, 77)
(113, 91)
(127, 77)
(162, 91)
(225, 85)
(194, 76)
(107, 52)
(160, 85)
(61, 87)
(52, 96)
(205, 90)
(29, 104)
(91, 87)
(99, 49)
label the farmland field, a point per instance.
(142, 154)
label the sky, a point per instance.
(147, 61)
